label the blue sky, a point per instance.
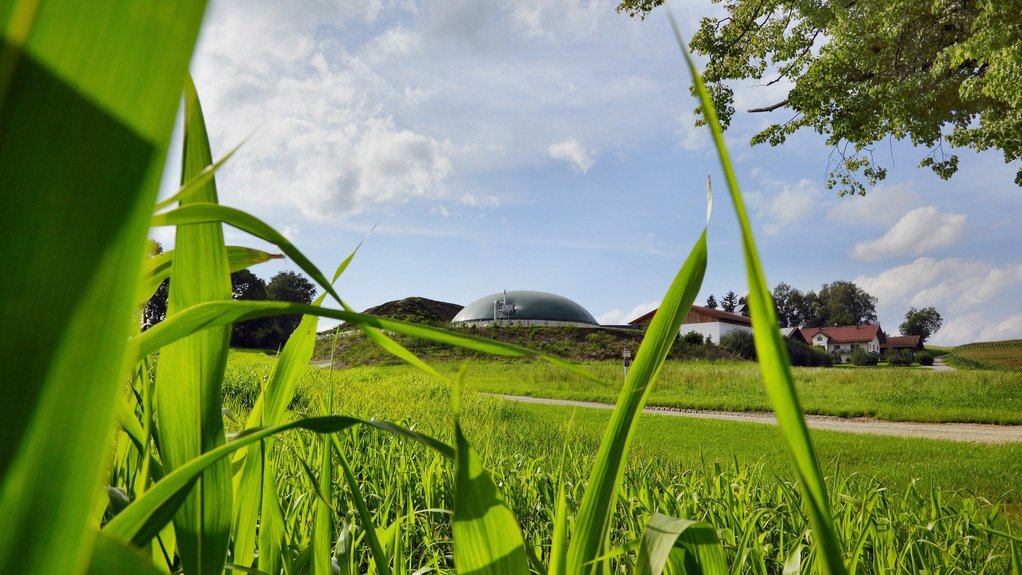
(549, 145)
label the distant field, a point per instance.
(988, 355)
(894, 394)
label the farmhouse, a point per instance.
(843, 340)
(711, 323)
(912, 343)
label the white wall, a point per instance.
(715, 330)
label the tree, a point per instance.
(786, 301)
(844, 303)
(864, 71)
(729, 302)
(155, 310)
(293, 287)
(711, 302)
(254, 333)
(922, 322)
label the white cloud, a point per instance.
(972, 295)
(620, 317)
(780, 204)
(920, 231)
(573, 152)
(883, 205)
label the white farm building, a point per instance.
(711, 323)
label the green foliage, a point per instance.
(923, 358)
(740, 343)
(863, 358)
(693, 338)
(802, 355)
(940, 74)
(922, 322)
(898, 357)
(711, 302)
(287, 286)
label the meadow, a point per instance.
(940, 495)
(890, 394)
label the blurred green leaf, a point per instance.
(703, 553)
(88, 94)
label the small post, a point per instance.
(626, 355)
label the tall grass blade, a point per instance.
(158, 268)
(142, 519)
(773, 355)
(113, 557)
(703, 551)
(322, 532)
(592, 526)
(189, 375)
(197, 183)
(487, 539)
(88, 94)
(382, 566)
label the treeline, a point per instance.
(262, 333)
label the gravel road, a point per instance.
(966, 432)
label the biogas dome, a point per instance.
(523, 307)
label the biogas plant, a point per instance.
(523, 307)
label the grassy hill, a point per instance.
(574, 343)
(988, 355)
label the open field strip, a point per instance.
(889, 394)
(968, 432)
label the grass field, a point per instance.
(890, 394)
(988, 355)
(724, 472)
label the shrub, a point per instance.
(902, 358)
(803, 355)
(692, 338)
(862, 357)
(924, 358)
(739, 343)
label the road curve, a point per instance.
(965, 432)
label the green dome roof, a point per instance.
(528, 305)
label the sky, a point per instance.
(549, 145)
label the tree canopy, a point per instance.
(942, 74)
(838, 303)
(922, 322)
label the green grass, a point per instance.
(676, 465)
(889, 394)
(988, 355)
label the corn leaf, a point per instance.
(197, 183)
(88, 94)
(382, 567)
(773, 355)
(487, 539)
(189, 375)
(703, 551)
(592, 528)
(158, 268)
(322, 537)
(143, 518)
(113, 557)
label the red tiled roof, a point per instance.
(842, 334)
(720, 314)
(902, 341)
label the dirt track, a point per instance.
(967, 432)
